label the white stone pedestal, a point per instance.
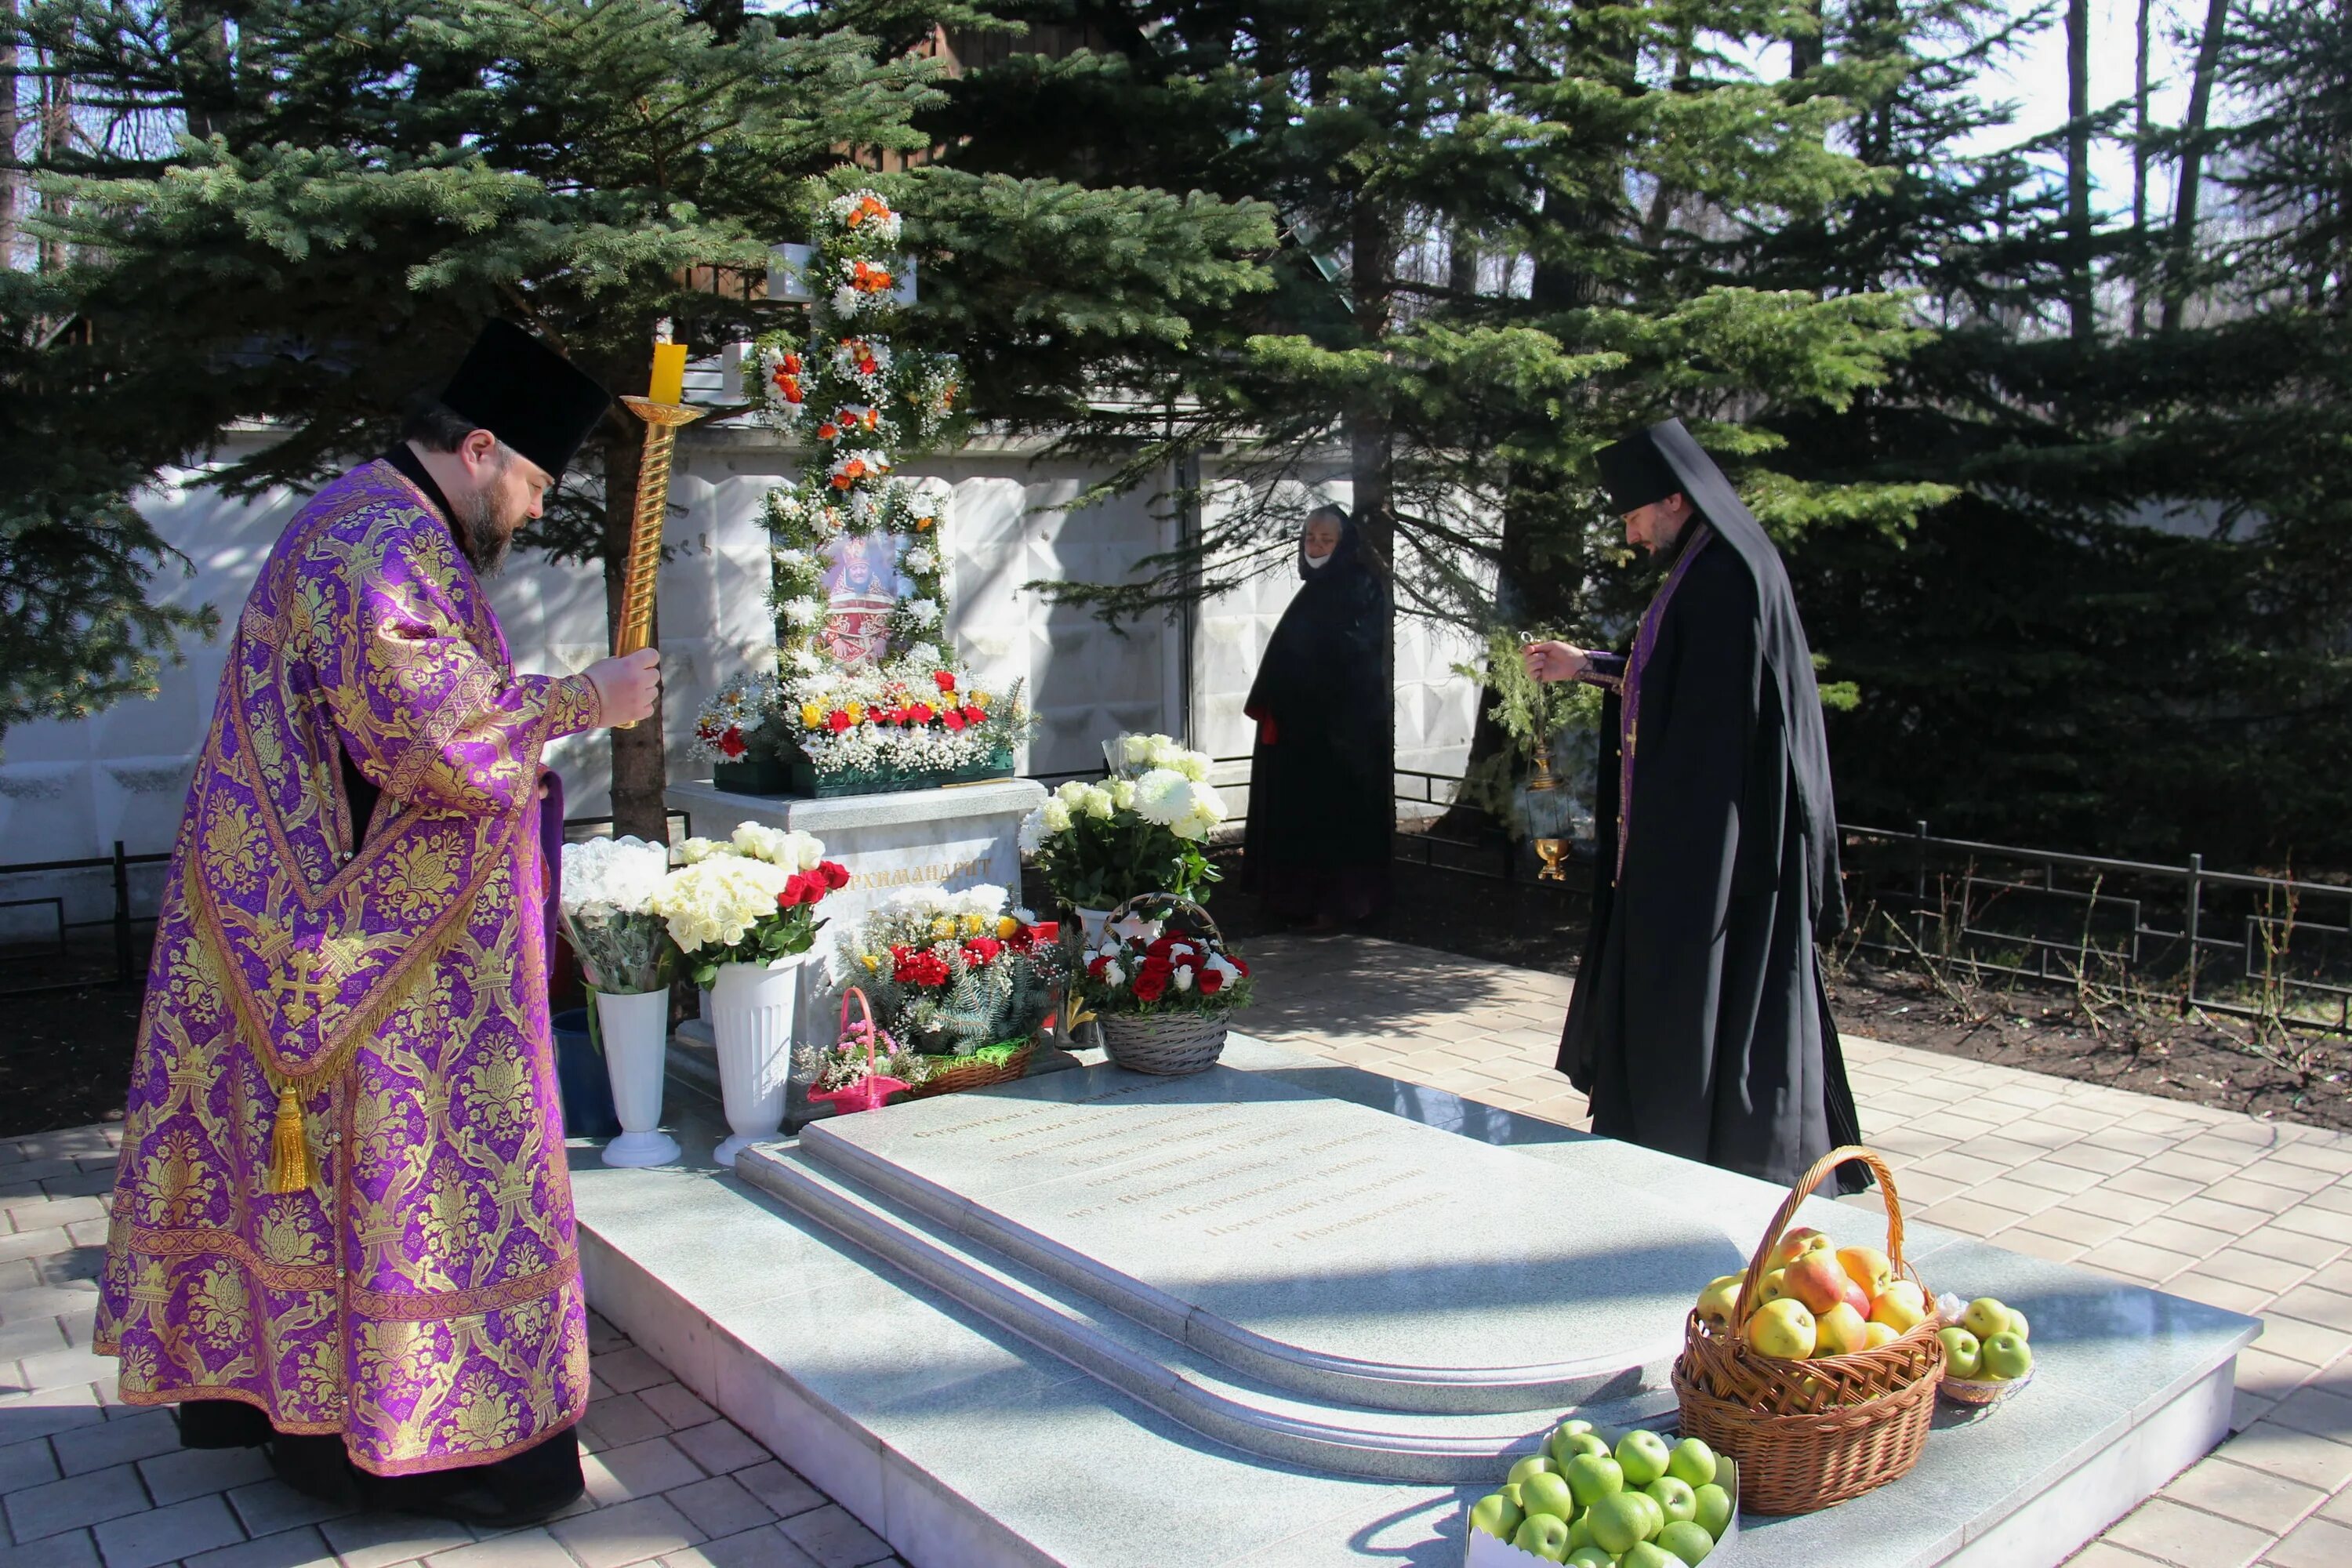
(953, 837)
(923, 838)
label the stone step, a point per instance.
(1139, 1361)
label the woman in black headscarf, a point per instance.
(1320, 805)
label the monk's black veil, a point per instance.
(1786, 653)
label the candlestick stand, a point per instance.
(662, 423)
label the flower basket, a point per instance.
(1177, 1041)
(1170, 1045)
(1814, 1432)
(874, 1090)
(800, 777)
(990, 1065)
(753, 775)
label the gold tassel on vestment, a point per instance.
(291, 1169)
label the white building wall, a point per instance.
(70, 790)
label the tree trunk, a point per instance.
(640, 770)
(1805, 50)
(1371, 453)
(2141, 129)
(7, 138)
(2081, 301)
(2183, 246)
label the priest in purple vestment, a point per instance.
(1699, 1024)
(343, 1226)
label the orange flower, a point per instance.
(840, 482)
(827, 431)
(873, 418)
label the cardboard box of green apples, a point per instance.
(1602, 1498)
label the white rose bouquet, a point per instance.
(752, 899)
(609, 890)
(1144, 829)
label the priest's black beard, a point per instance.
(479, 539)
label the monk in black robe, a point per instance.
(1699, 1025)
(1321, 806)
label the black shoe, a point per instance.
(504, 1495)
(221, 1423)
(317, 1466)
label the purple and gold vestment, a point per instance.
(422, 1298)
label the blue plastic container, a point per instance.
(587, 1087)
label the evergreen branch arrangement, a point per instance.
(953, 974)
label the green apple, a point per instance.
(1693, 1462)
(1579, 1530)
(2006, 1357)
(1547, 1493)
(1963, 1355)
(1654, 1513)
(1496, 1515)
(1674, 1495)
(1533, 1464)
(1543, 1534)
(1511, 1491)
(2017, 1325)
(1714, 1514)
(1619, 1520)
(1727, 1476)
(1985, 1318)
(1593, 1477)
(1687, 1542)
(1590, 1557)
(1577, 1443)
(1642, 1456)
(1645, 1554)
(1572, 1426)
(1561, 1443)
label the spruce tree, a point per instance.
(305, 211)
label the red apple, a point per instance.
(1795, 1244)
(1868, 1268)
(1858, 1299)
(1816, 1280)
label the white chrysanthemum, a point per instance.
(926, 654)
(793, 560)
(919, 559)
(923, 612)
(622, 875)
(1164, 796)
(805, 661)
(1034, 830)
(982, 898)
(845, 300)
(802, 613)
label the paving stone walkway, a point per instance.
(86, 1481)
(2252, 1215)
(2247, 1214)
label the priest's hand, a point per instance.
(628, 686)
(1554, 660)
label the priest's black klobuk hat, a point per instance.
(1635, 473)
(527, 395)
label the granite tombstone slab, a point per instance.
(1303, 1239)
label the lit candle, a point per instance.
(669, 373)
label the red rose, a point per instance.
(836, 875)
(1151, 980)
(1096, 967)
(1239, 967)
(836, 720)
(731, 743)
(797, 892)
(1210, 981)
(975, 715)
(924, 712)
(943, 680)
(826, 431)
(952, 718)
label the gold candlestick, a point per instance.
(662, 423)
(1551, 851)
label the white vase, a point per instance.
(634, 1027)
(752, 1010)
(1091, 923)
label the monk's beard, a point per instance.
(481, 538)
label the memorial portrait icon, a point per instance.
(862, 585)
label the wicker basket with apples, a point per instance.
(1986, 1356)
(1602, 1499)
(1816, 1368)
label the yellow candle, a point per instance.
(669, 373)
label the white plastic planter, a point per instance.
(635, 1028)
(753, 1008)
